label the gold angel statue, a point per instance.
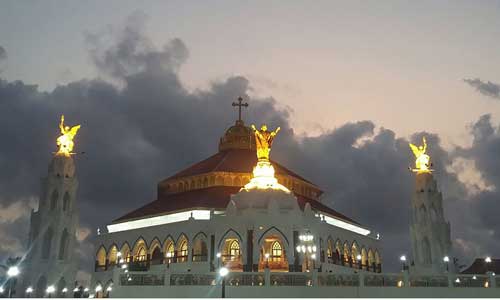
(263, 141)
(422, 164)
(65, 141)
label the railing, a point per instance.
(338, 280)
(246, 279)
(131, 279)
(192, 279)
(200, 257)
(399, 280)
(428, 281)
(291, 279)
(384, 280)
(471, 281)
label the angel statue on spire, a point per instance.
(65, 141)
(422, 164)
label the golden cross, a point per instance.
(239, 104)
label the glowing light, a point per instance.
(446, 259)
(402, 258)
(98, 288)
(263, 172)
(160, 220)
(314, 248)
(65, 290)
(474, 277)
(266, 255)
(487, 259)
(122, 261)
(51, 289)
(313, 256)
(75, 289)
(29, 290)
(422, 164)
(218, 255)
(124, 266)
(126, 271)
(457, 280)
(13, 271)
(358, 257)
(1, 290)
(400, 283)
(298, 248)
(344, 225)
(223, 271)
(65, 141)
(86, 289)
(487, 284)
(109, 289)
(118, 254)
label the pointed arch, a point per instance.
(346, 253)
(182, 248)
(155, 252)
(199, 249)
(169, 249)
(371, 259)
(155, 243)
(41, 286)
(378, 259)
(53, 199)
(47, 243)
(364, 258)
(330, 250)
(354, 252)
(100, 258)
(230, 232)
(63, 245)
(113, 254)
(61, 284)
(66, 201)
(277, 231)
(140, 251)
(125, 250)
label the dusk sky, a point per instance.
(351, 82)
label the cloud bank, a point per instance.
(149, 126)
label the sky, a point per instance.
(350, 82)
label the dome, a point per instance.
(237, 136)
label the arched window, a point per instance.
(66, 201)
(41, 287)
(53, 200)
(364, 258)
(276, 251)
(156, 256)
(63, 246)
(101, 257)
(426, 251)
(329, 251)
(47, 243)
(200, 251)
(126, 252)
(371, 259)
(234, 249)
(141, 254)
(183, 251)
(347, 255)
(112, 255)
(354, 253)
(169, 251)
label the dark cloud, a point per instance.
(151, 126)
(489, 89)
(3, 53)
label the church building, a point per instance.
(236, 209)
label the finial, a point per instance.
(240, 105)
(422, 164)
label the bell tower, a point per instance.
(429, 230)
(50, 259)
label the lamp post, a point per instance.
(50, 290)
(267, 260)
(29, 290)
(487, 260)
(307, 247)
(12, 273)
(169, 255)
(358, 259)
(446, 260)
(403, 262)
(218, 259)
(118, 258)
(223, 272)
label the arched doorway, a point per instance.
(100, 259)
(273, 255)
(41, 287)
(231, 254)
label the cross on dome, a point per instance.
(240, 105)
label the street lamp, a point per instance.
(64, 291)
(358, 259)
(218, 258)
(402, 258)
(169, 255)
(487, 260)
(223, 272)
(446, 259)
(29, 290)
(12, 272)
(50, 290)
(267, 259)
(307, 247)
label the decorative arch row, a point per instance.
(353, 255)
(142, 254)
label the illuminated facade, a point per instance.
(50, 260)
(235, 209)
